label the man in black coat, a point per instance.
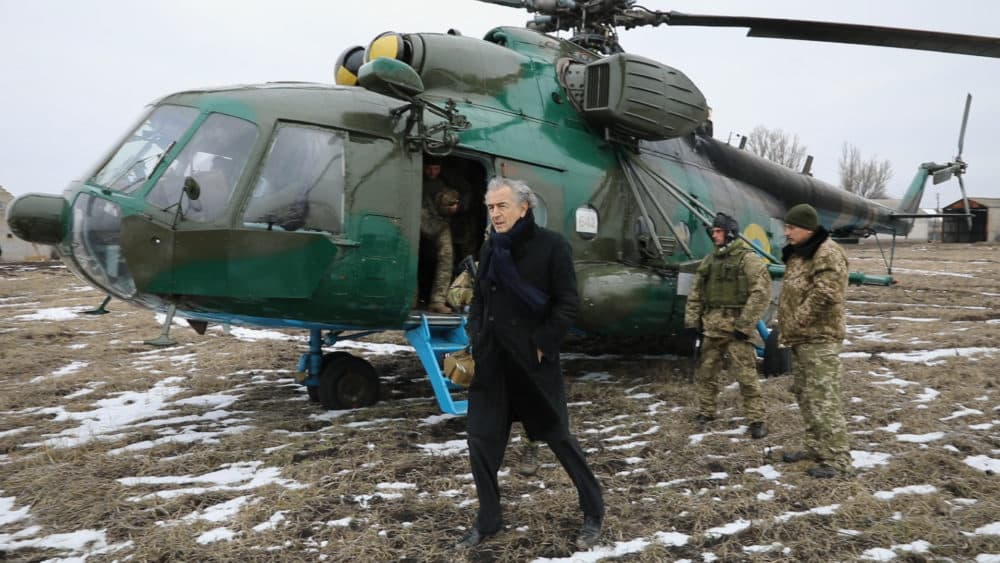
(524, 301)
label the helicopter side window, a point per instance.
(214, 158)
(301, 182)
(138, 155)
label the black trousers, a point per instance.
(486, 455)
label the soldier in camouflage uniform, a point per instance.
(440, 202)
(811, 318)
(730, 293)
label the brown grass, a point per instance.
(661, 482)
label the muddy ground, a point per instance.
(210, 451)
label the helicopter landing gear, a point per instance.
(328, 358)
(100, 309)
(347, 382)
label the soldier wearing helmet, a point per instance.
(731, 291)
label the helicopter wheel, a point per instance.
(313, 390)
(348, 382)
(777, 360)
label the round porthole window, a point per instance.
(541, 212)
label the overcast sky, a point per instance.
(75, 75)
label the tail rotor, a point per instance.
(958, 166)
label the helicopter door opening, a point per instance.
(452, 224)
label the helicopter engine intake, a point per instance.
(636, 97)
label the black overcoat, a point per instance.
(505, 335)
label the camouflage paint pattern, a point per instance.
(522, 124)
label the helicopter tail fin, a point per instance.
(910, 203)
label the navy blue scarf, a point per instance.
(501, 269)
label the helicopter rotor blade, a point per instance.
(844, 33)
(965, 201)
(965, 121)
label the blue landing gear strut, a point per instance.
(338, 380)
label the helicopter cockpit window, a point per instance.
(137, 157)
(301, 182)
(214, 158)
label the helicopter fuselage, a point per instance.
(298, 205)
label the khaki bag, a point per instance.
(459, 367)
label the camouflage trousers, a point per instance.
(440, 236)
(716, 353)
(816, 384)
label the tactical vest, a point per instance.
(724, 285)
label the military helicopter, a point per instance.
(297, 205)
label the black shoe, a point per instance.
(589, 533)
(795, 456)
(758, 430)
(472, 538)
(704, 418)
(823, 472)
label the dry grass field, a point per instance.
(210, 451)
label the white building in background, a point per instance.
(13, 249)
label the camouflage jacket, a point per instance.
(811, 305)
(719, 321)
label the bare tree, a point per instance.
(865, 177)
(776, 146)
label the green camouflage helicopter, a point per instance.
(297, 205)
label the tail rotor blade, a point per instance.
(965, 201)
(965, 121)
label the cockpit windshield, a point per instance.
(138, 156)
(214, 159)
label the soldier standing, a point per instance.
(440, 203)
(731, 291)
(811, 317)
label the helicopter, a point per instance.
(297, 205)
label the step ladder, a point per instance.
(432, 337)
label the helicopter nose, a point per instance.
(38, 218)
